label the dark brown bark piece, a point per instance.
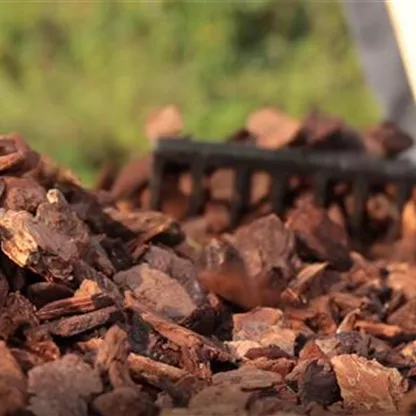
(74, 325)
(368, 386)
(389, 137)
(4, 289)
(84, 272)
(266, 245)
(318, 237)
(17, 312)
(62, 387)
(191, 345)
(12, 383)
(256, 268)
(222, 271)
(22, 194)
(117, 252)
(179, 268)
(50, 174)
(43, 293)
(72, 306)
(124, 401)
(132, 177)
(157, 290)
(148, 225)
(58, 216)
(318, 383)
(272, 353)
(32, 244)
(320, 131)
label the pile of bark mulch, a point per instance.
(269, 128)
(107, 309)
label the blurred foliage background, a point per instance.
(78, 78)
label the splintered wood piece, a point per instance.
(30, 243)
(368, 386)
(75, 305)
(74, 325)
(154, 371)
(62, 387)
(180, 336)
(111, 358)
(83, 272)
(87, 288)
(12, 383)
(58, 216)
(379, 329)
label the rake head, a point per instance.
(322, 168)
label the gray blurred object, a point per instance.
(386, 43)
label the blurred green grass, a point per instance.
(78, 78)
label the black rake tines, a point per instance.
(361, 170)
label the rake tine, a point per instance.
(360, 191)
(156, 183)
(320, 184)
(278, 191)
(404, 192)
(240, 198)
(196, 198)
